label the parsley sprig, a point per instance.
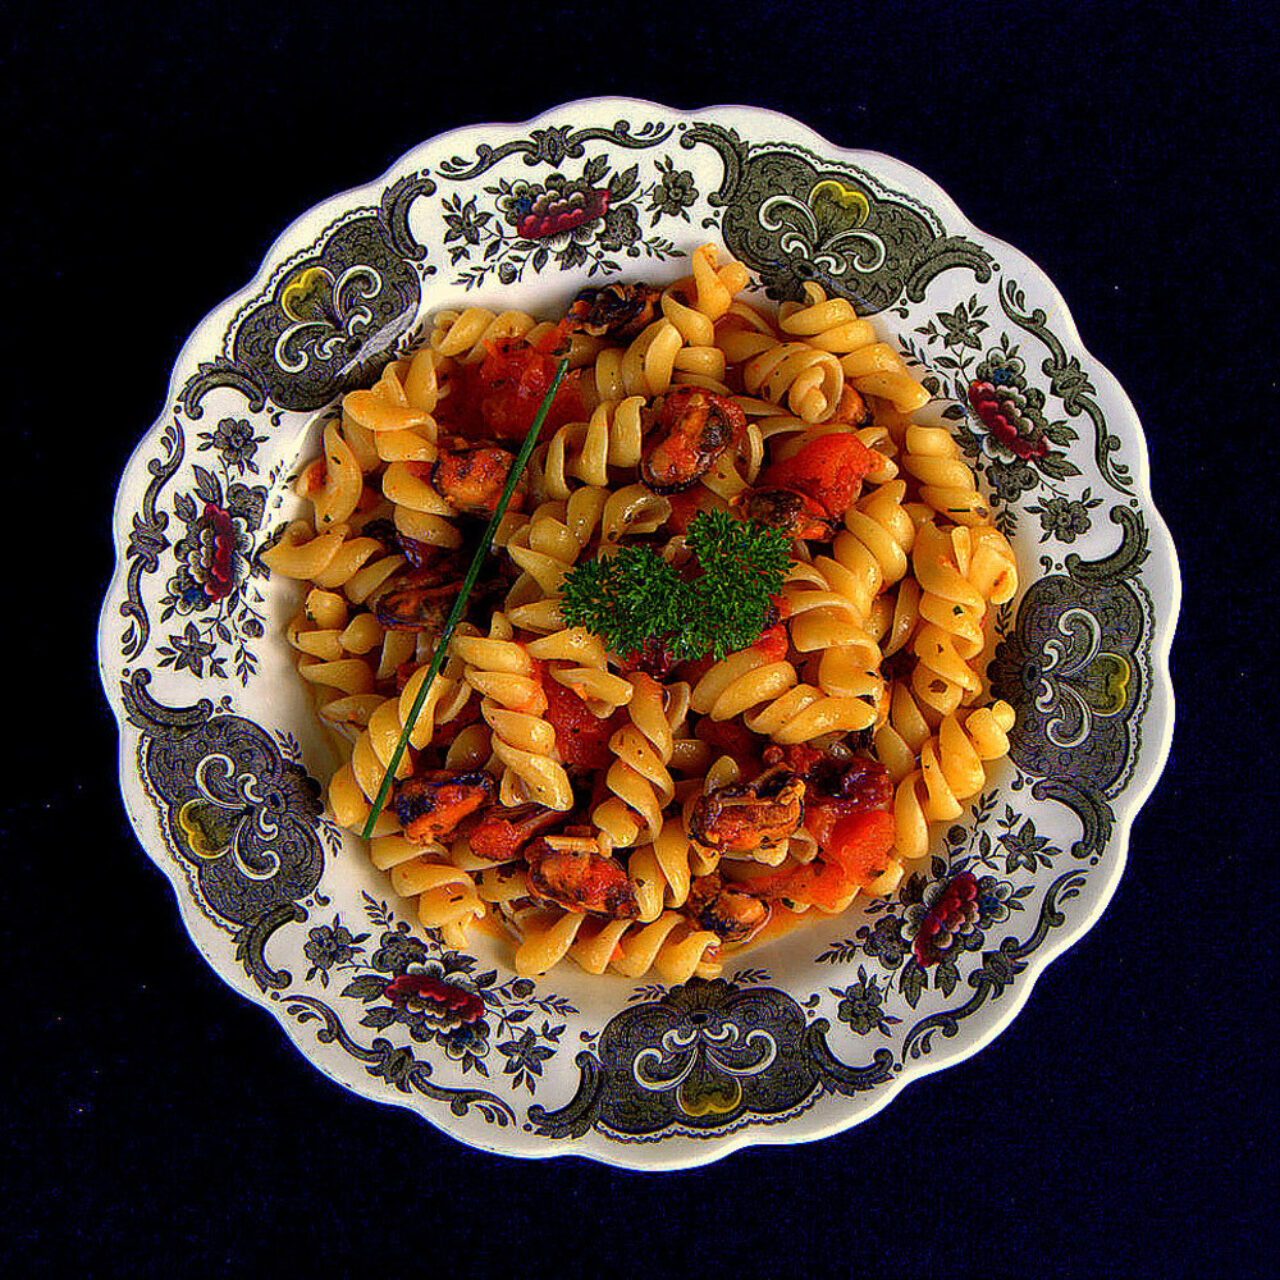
(634, 595)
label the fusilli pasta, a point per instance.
(628, 811)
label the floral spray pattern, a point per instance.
(414, 981)
(999, 419)
(568, 222)
(215, 583)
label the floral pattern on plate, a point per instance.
(221, 757)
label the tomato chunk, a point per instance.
(686, 504)
(773, 642)
(582, 738)
(860, 844)
(729, 737)
(500, 396)
(829, 470)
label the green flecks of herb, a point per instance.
(634, 595)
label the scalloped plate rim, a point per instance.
(1159, 718)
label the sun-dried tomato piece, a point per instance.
(829, 470)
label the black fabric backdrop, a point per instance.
(1123, 1125)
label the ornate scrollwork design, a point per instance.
(147, 542)
(398, 1065)
(1068, 381)
(241, 818)
(553, 145)
(330, 319)
(1073, 669)
(706, 1057)
(999, 968)
(795, 217)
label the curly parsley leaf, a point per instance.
(634, 595)
(622, 597)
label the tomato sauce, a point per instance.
(500, 396)
(686, 504)
(582, 738)
(829, 469)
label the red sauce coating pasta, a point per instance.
(829, 470)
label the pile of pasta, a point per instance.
(887, 623)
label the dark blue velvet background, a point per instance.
(1124, 1125)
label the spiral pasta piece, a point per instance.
(325, 639)
(465, 335)
(336, 656)
(447, 896)
(660, 872)
(823, 618)
(513, 703)
(942, 677)
(544, 939)
(992, 567)
(355, 786)
(334, 482)
(392, 420)
(741, 681)
(585, 451)
(804, 713)
(545, 549)
(644, 368)
(585, 670)
(811, 380)
(360, 565)
(631, 511)
(948, 600)
(716, 285)
(326, 631)
(947, 484)
(879, 370)
(830, 324)
(639, 780)
(668, 946)
(872, 551)
(693, 306)
(420, 512)
(952, 611)
(952, 769)
(907, 728)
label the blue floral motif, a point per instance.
(235, 442)
(862, 1005)
(1065, 519)
(568, 222)
(1024, 849)
(526, 1054)
(215, 577)
(434, 992)
(920, 936)
(331, 946)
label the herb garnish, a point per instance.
(634, 595)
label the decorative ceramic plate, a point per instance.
(221, 760)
